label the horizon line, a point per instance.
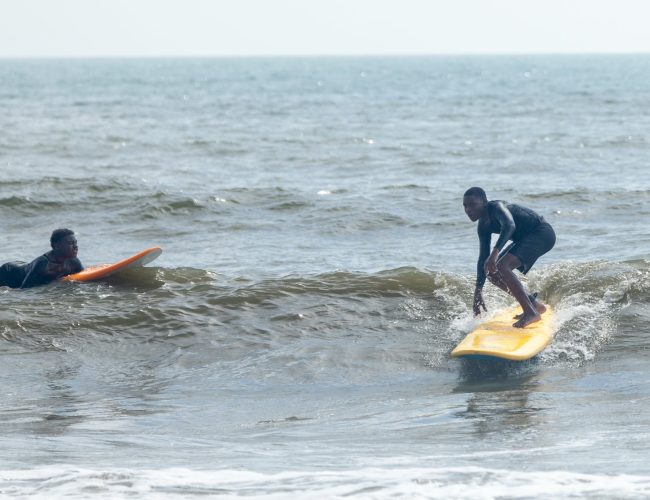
(323, 55)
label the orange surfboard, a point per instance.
(103, 270)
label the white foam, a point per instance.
(582, 327)
(363, 483)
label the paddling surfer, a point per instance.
(531, 237)
(58, 262)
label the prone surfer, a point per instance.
(531, 237)
(58, 262)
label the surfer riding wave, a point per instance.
(531, 237)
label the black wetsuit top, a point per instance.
(510, 222)
(38, 272)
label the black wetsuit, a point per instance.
(530, 234)
(38, 272)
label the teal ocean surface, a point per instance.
(293, 339)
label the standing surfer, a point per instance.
(531, 237)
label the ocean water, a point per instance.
(293, 339)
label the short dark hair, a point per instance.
(59, 234)
(476, 191)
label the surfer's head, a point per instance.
(475, 203)
(64, 243)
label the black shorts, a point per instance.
(532, 246)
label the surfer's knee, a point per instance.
(502, 267)
(506, 265)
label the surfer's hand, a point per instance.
(478, 302)
(491, 263)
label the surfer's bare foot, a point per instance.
(541, 309)
(526, 320)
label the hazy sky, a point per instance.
(56, 28)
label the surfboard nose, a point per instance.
(103, 270)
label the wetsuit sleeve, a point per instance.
(76, 266)
(35, 273)
(503, 215)
(484, 238)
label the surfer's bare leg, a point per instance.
(496, 280)
(541, 308)
(506, 277)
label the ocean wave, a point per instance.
(25, 203)
(43, 194)
(400, 282)
(588, 196)
(559, 284)
(433, 307)
(573, 195)
(162, 203)
(135, 202)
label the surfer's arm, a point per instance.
(75, 266)
(501, 213)
(484, 237)
(507, 223)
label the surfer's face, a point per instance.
(474, 207)
(67, 247)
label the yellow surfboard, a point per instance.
(497, 338)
